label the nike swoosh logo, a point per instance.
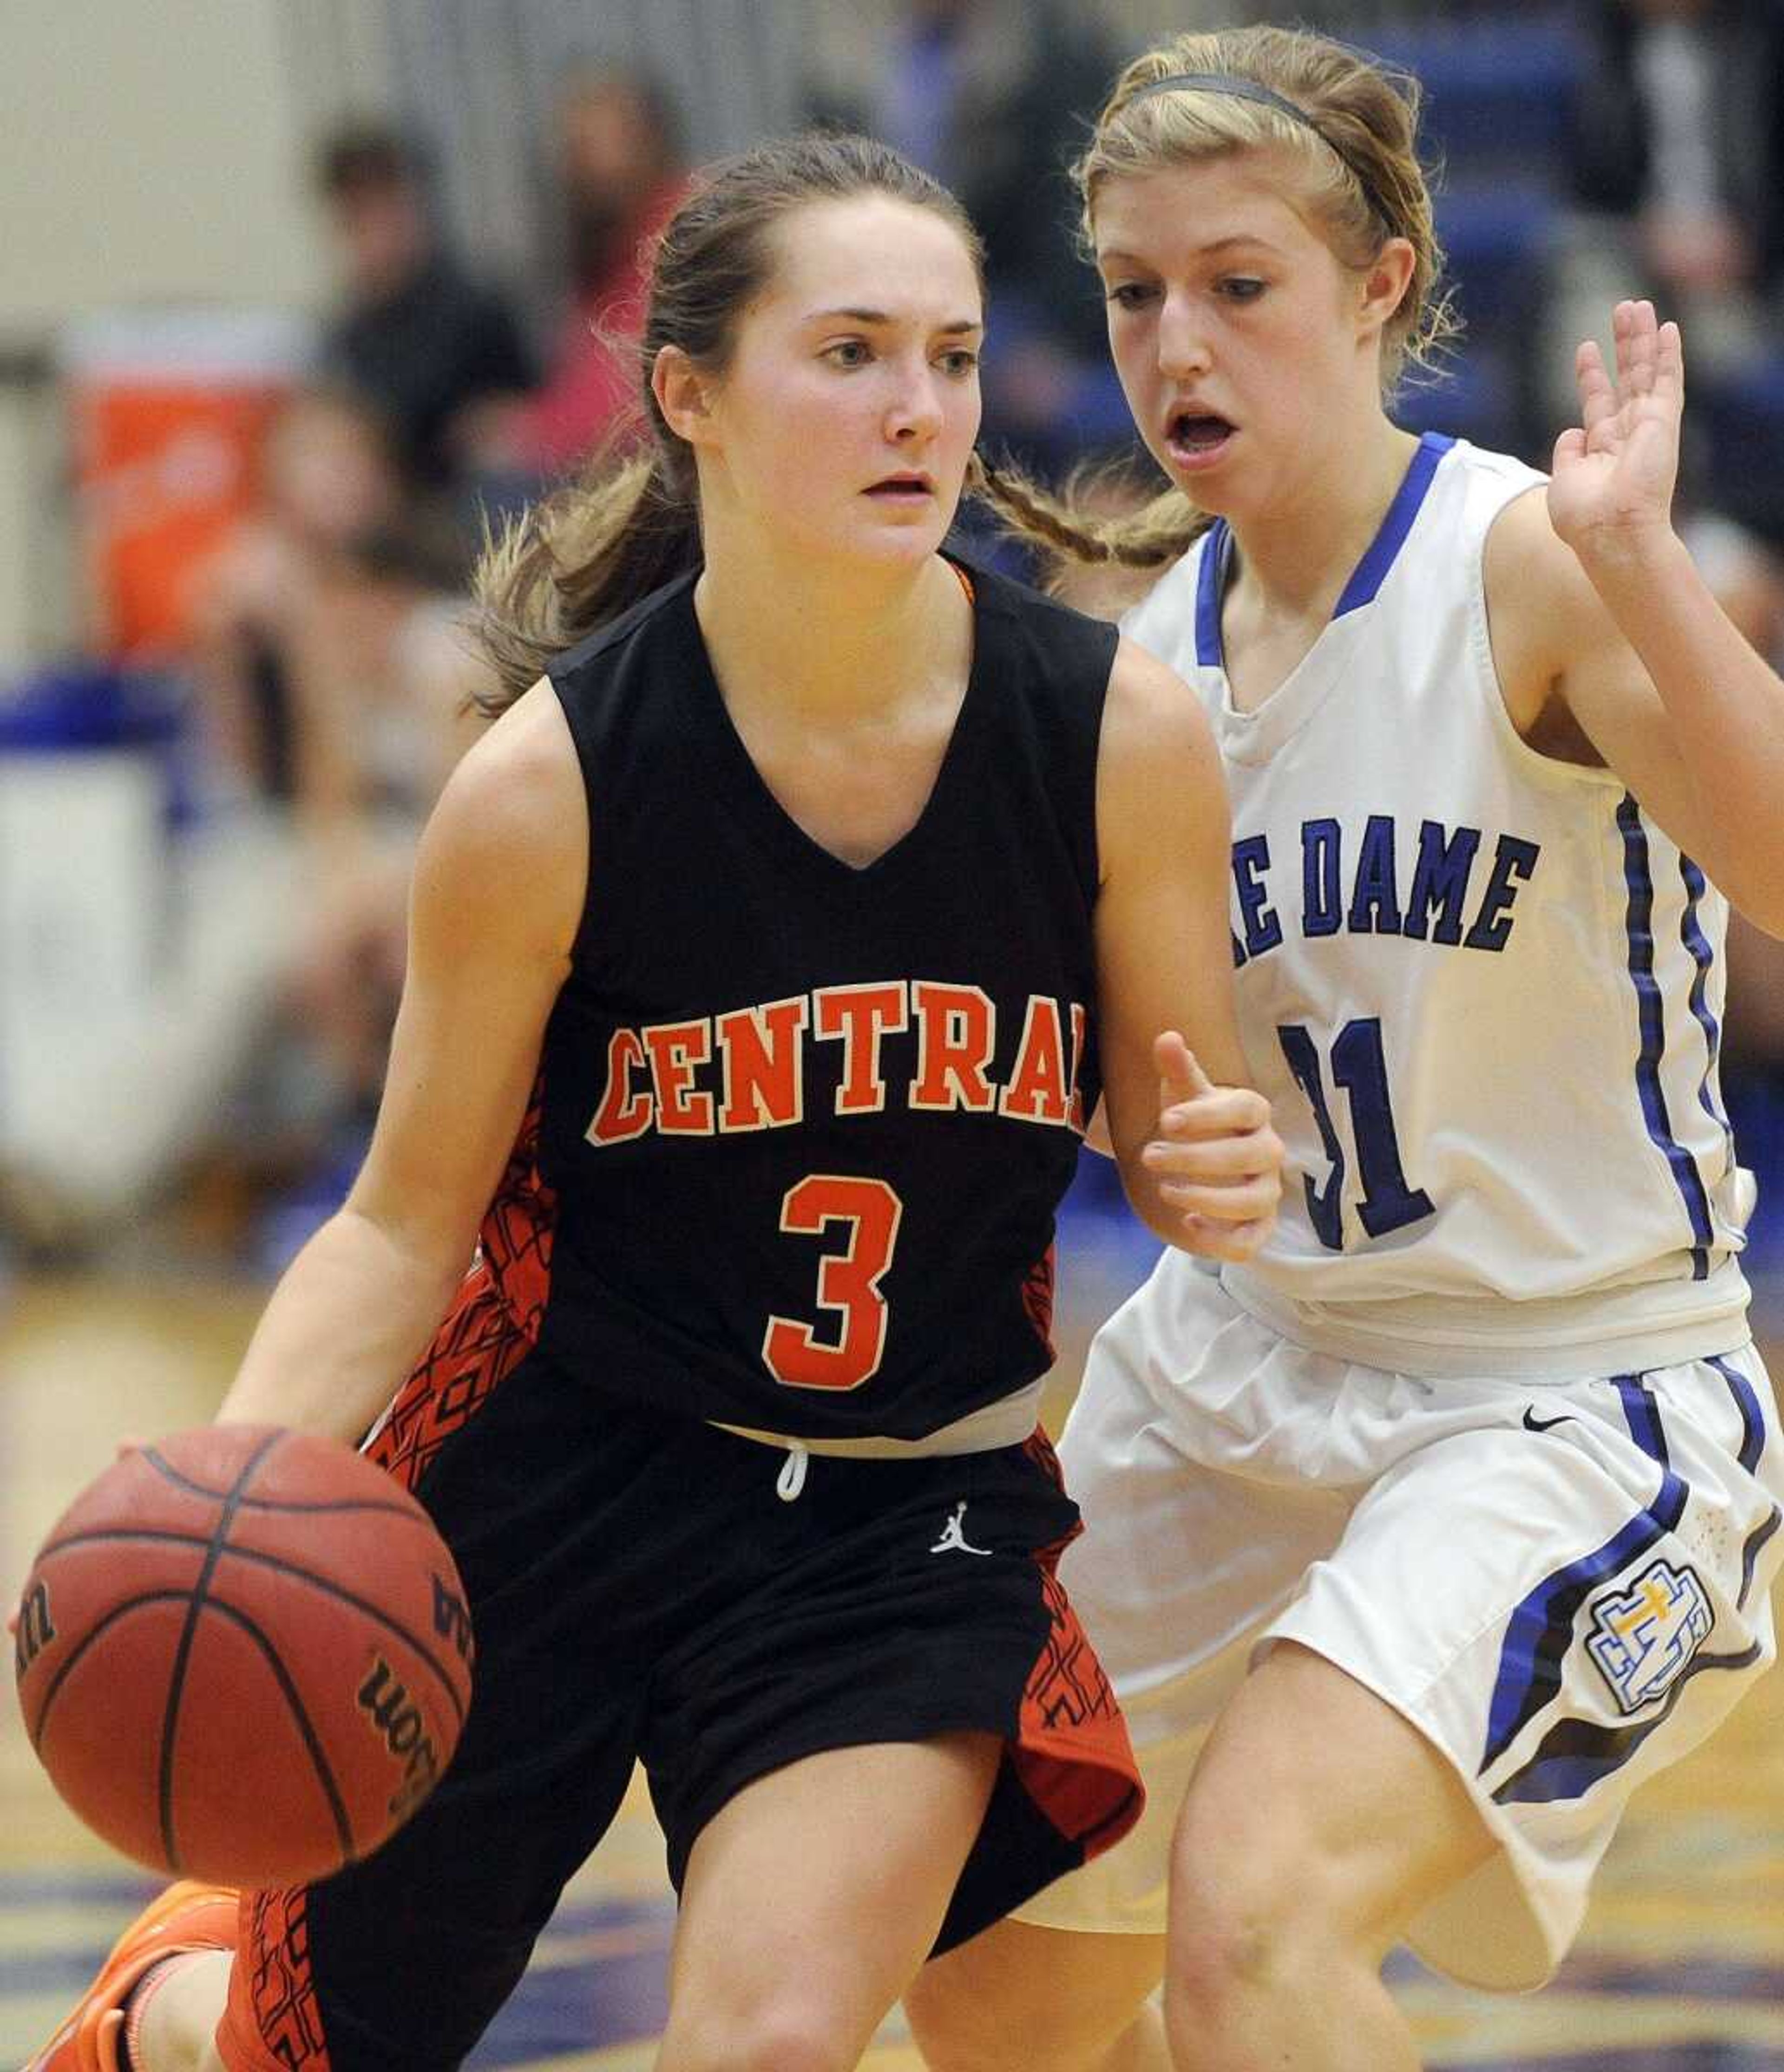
(1533, 1423)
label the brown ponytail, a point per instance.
(573, 561)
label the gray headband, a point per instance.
(1250, 89)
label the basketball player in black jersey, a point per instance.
(768, 955)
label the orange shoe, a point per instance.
(186, 1916)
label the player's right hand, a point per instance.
(1216, 1156)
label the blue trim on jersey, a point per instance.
(1366, 578)
(1576, 1754)
(1641, 1414)
(1751, 1553)
(1540, 1631)
(1702, 955)
(1370, 572)
(1210, 582)
(1753, 1447)
(1651, 1014)
(1752, 1418)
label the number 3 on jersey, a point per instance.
(1357, 1066)
(848, 1283)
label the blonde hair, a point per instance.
(1365, 185)
(1074, 524)
(1358, 145)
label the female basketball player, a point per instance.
(1455, 1510)
(766, 956)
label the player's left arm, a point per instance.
(1199, 1158)
(1662, 684)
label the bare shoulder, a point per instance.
(1522, 546)
(512, 823)
(1151, 713)
(1542, 613)
(1159, 775)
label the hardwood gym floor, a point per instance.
(1681, 1966)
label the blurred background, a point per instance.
(295, 297)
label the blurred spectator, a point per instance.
(1749, 581)
(251, 937)
(622, 175)
(1747, 578)
(993, 97)
(386, 676)
(325, 686)
(1678, 140)
(330, 689)
(327, 479)
(423, 341)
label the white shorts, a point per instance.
(1564, 1585)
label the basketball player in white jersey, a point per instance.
(1417, 1543)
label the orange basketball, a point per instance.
(244, 1654)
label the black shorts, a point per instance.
(640, 1592)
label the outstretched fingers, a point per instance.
(1650, 356)
(1625, 327)
(1597, 395)
(1648, 360)
(1668, 365)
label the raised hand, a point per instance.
(1217, 1159)
(1611, 488)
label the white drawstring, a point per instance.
(791, 1478)
(1009, 1421)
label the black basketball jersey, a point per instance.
(803, 1127)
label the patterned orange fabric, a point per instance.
(1037, 1299)
(491, 1327)
(273, 2023)
(1072, 1753)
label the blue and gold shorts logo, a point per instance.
(1643, 1636)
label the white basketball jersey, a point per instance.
(1482, 990)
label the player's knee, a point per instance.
(1232, 1966)
(1222, 1957)
(791, 2039)
(783, 2033)
(1251, 1918)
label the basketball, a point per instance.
(244, 1654)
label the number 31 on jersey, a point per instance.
(1386, 1203)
